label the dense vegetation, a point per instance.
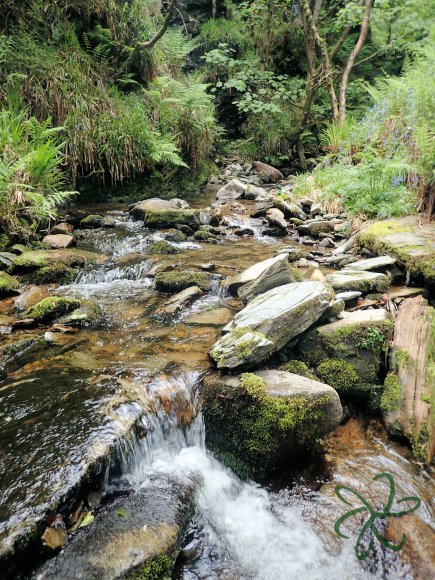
(105, 90)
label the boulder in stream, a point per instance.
(94, 221)
(170, 218)
(408, 399)
(269, 322)
(349, 352)
(177, 280)
(259, 421)
(270, 173)
(139, 209)
(138, 536)
(50, 308)
(276, 219)
(180, 301)
(380, 263)
(57, 241)
(235, 189)
(278, 273)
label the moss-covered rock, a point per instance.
(96, 221)
(412, 243)
(8, 284)
(174, 235)
(354, 347)
(162, 247)
(36, 259)
(259, 421)
(88, 314)
(56, 274)
(51, 308)
(364, 282)
(298, 367)
(169, 218)
(204, 236)
(175, 281)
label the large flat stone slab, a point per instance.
(144, 540)
(364, 282)
(269, 322)
(233, 283)
(372, 264)
(408, 239)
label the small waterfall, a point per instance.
(266, 538)
(136, 272)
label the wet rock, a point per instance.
(315, 228)
(94, 499)
(162, 247)
(235, 189)
(214, 317)
(58, 241)
(204, 236)
(96, 221)
(289, 413)
(373, 264)
(38, 259)
(412, 243)
(62, 228)
(278, 273)
(6, 260)
(275, 217)
(360, 281)
(261, 210)
(180, 301)
(8, 285)
(174, 236)
(30, 297)
(349, 296)
(244, 232)
(270, 173)
(269, 322)
(144, 542)
(139, 209)
(233, 283)
(170, 218)
(51, 308)
(348, 354)
(326, 243)
(290, 210)
(252, 192)
(176, 281)
(88, 314)
(55, 536)
(274, 232)
(407, 400)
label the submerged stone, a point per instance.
(143, 542)
(52, 307)
(176, 281)
(259, 421)
(269, 322)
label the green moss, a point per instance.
(51, 308)
(166, 218)
(339, 374)
(8, 284)
(176, 281)
(204, 236)
(4, 242)
(298, 367)
(58, 273)
(159, 568)
(374, 339)
(36, 259)
(175, 236)
(246, 423)
(402, 358)
(20, 248)
(96, 221)
(419, 444)
(425, 398)
(390, 399)
(162, 247)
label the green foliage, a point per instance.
(374, 340)
(31, 176)
(232, 33)
(51, 307)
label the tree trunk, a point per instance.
(150, 43)
(351, 60)
(326, 63)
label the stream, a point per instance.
(69, 403)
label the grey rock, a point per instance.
(290, 210)
(57, 241)
(275, 217)
(348, 296)
(373, 264)
(315, 228)
(139, 209)
(271, 173)
(361, 281)
(235, 189)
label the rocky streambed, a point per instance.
(304, 347)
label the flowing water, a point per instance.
(65, 406)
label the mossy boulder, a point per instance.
(88, 314)
(412, 243)
(96, 221)
(176, 280)
(170, 218)
(204, 236)
(36, 259)
(56, 274)
(348, 353)
(8, 284)
(162, 247)
(298, 367)
(257, 422)
(269, 322)
(51, 308)
(138, 536)
(174, 235)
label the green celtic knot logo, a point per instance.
(370, 524)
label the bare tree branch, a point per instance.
(343, 37)
(150, 43)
